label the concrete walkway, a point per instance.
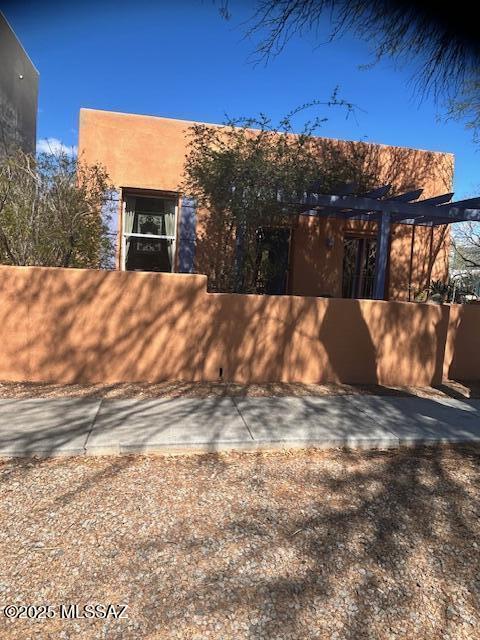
(87, 426)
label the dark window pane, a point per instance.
(149, 255)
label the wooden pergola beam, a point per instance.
(404, 208)
(379, 192)
(436, 200)
(409, 196)
(407, 210)
(464, 204)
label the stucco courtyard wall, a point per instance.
(462, 352)
(72, 325)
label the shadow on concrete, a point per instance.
(98, 427)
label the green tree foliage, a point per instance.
(52, 212)
(238, 173)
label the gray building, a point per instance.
(18, 93)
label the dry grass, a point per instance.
(331, 545)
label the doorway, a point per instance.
(359, 260)
(273, 249)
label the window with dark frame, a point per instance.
(149, 232)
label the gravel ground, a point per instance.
(294, 544)
(217, 389)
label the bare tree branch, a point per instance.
(51, 211)
(441, 38)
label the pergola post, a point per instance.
(381, 263)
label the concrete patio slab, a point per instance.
(211, 424)
(329, 421)
(46, 427)
(416, 420)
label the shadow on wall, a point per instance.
(418, 255)
(462, 352)
(85, 326)
(288, 338)
(80, 325)
(316, 267)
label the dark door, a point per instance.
(273, 246)
(359, 258)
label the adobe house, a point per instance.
(329, 250)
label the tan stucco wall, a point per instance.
(148, 152)
(139, 151)
(73, 325)
(317, 269)
(462, 352)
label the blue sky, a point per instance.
(180, 59)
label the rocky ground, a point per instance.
(295, 544)
(144, 390)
